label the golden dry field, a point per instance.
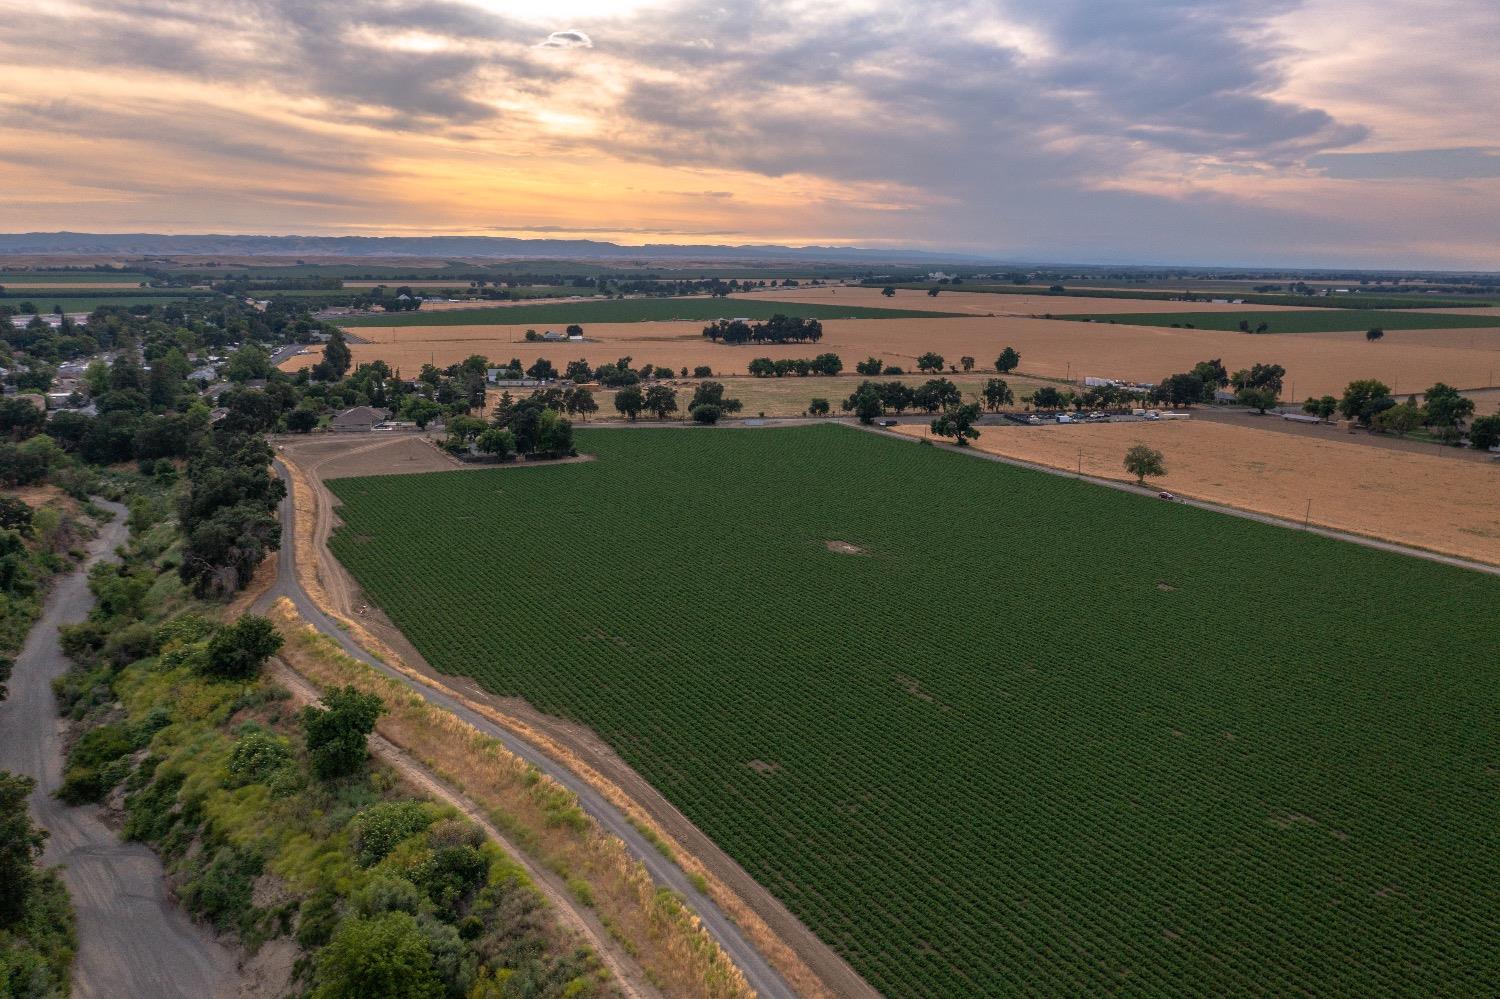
(1444, 504)
(1316, 363)
(982, 304)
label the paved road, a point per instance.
(134, 941)
(763, 978)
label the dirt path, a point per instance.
(134, 941)
(578, 918)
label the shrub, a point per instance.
(220, 890)
(96, 764)
(257, 756)
(387, 956)
(126, 645)
(238, 651)
(387, 893)
(380, 828)
(707, 413)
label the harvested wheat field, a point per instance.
(1315, 363)
(984, 304)
(1442, 504)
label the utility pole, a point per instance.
(1307, 518)
(1080, 463)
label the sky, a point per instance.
(1281, 132)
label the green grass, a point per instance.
(88, 303)
(1043, 738)
(1308, 321)
(68, 277)
(634, 310)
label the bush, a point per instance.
(238, 651)
(96, 763)
(126, 645)
(453, 873)
(386, 956)
(256, 757)
(707, 413)
(380, 828)
(336, 736)
(220, 891)
(387, 893)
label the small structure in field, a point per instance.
(358, 419)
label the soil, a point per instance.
(1423, 500)
(844, 548)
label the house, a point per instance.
(552, 336)
(358, 419)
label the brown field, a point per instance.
(981, 304)
(1316, 363)
(1435, 502)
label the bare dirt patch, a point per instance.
(1435, 502)
(763, 768)
(845, 548)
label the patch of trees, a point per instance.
(536, 425)
(228, 514)
(709, 404)
(823, 364)
(37, 936)
(871, 399)
(778, 329)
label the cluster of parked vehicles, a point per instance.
(1099, 416)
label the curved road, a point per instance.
(134, 940)
(763, 978)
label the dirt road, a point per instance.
(134, 941)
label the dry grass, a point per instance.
(1316, 363)
(1438, 503)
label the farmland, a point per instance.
(70, 300)
(1315, 362)
(1295, 321)
(1031, 736)
(1437, 500)
(632, 310)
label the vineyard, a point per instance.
(989, 731)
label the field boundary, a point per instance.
(1264, 518)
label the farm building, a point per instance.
(360, 418)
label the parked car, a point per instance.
(886, 423)
(1034, 420)
(1064, 418)
(1153, 415)
(1166, 495)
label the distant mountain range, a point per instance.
(493, 247)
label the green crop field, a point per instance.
(69, 277)
(634, 310)
(1040, 737)
(1305, 321)
(74, 301)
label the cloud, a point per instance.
(567, 40)
(1435, 164)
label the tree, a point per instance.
(1047, 397)
(1007, 360)
(712, 394)
(250, 361)
(888, 291)
(420, 410)
(238, 651)
(930, 361)
(1259, 376)
(574, 330)
(967, 363)
(1484, 432)
(15, 515)
(1364, 399)
(932, 292)
(301, 420)
(1260, 399)
(336, 356)
(866, 404)
(660, 401)
(818, 407)
(1444, 407)
(707, 413)
(337, 734)
(958, 423)
(997, 394)
(542, 370)
(580, 402)
(630, 401)
(762, 367)
(869, 366)
(1323, 407)
(1374, 333)
(1142, 461)
(578, 371)
(1213, 374)
(383, 957)
(496, 441)
(1183, 389)
(701, 371)
(1399, 420)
